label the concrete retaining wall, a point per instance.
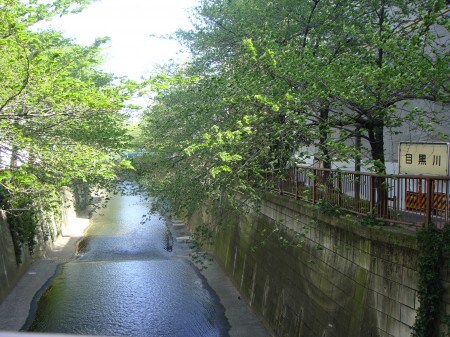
(10, 270)
(311, 274)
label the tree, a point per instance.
(272, 79)
(245, 116)
(61, 118)
(66, 104)
(394, 58)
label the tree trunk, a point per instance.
(323, 137)
(376, 140)
(14, 161)
(358, 163)
(325, 156)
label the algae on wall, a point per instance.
(10, 270)
(310, 274)
(51, 223)
(15, 257)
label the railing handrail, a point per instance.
(394, 198)
(387, 175)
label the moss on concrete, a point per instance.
(316, 274)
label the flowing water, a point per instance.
(128, 282)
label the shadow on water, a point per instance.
(127, 281)
(169, 240)
(82, 245)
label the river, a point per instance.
(127, 281)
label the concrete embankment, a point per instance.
(36, 277)
(63, 222)
(242, 319)
(309, 273)
(14, 310)
(29, 277)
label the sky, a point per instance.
(133, 26)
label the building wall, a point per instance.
(311, 274)
(409, 131)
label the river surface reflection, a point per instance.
(126, 282)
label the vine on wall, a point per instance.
(433, 244)
(23, 231)
(82, 196)
(31, 219)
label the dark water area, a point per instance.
(126, 281)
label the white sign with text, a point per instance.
(424, 158)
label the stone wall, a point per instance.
(311, 274)
(10, 270)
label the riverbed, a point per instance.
(127, 280)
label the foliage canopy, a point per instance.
(269, 81)
(61, 117)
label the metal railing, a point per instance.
(402, 199)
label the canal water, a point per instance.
(127, 281)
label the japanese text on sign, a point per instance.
(424, 158)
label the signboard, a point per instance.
(424, 158)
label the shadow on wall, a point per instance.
(10, 269)
(311, 274)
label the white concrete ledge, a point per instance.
(183, 239)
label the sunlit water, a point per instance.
(126, 282)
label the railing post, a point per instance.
(296, 183)
(446, 200)
(429, 202)
(357, 185)
(372, 192)
(339, 198)
(280, 186)
(314, 189)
